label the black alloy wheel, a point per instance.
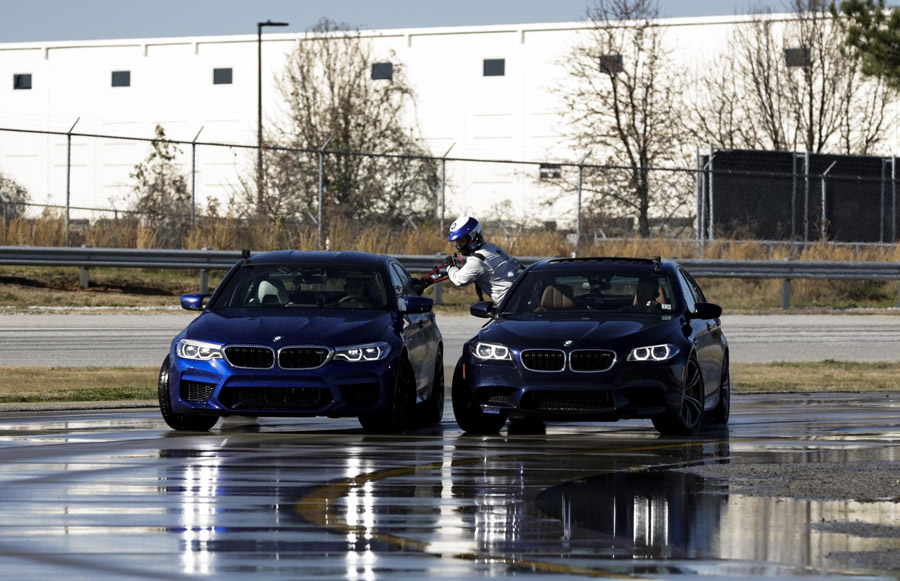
(178, 421)
(687, 420)
(433, 407)
(469, 416)
(402, 405)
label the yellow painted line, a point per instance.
(318, 507)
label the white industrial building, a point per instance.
(126, 87)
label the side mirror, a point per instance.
(706, 311)
(482, 310)
(193, 301)
(414, 304)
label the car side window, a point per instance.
(695, 288)
(689, 301)
(401, 281)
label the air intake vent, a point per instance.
(591, 360)
(302, 357)
(196, 391)
(567, 401)
(250, 356)
(544, 360)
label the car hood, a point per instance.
(330, 328)
(583, 333)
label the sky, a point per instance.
(61, 20)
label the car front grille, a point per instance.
(275, 398)
(567, 401)
(250, 356)
(303, 357)
(196, 391)
(543, 360)
(591, 360)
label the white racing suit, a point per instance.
(490, 268)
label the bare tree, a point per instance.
(161, 193)
(625, 104)
(792, 87)
(13, 198)
(374, 164)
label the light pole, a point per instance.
(260, 182)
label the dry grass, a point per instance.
(820, 376)
(51, 384)
(230, 233)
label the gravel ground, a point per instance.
(844, 481)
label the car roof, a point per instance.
(591, 262)
(319, 257)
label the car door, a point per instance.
(415, 334)
(717, 339)
(702, 337)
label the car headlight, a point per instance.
(653, 353)
(488, 351)
(199, 350)
(367, 352)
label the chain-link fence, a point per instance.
(108, 190)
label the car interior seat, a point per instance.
(648, 291)
(556, 298)
(272, 292)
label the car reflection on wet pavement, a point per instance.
(117, 495)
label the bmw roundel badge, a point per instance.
(568, 343)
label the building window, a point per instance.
(382, 71)
(22, 81)
(550, 171)
(798, 57)
(494, 67)
(611, 64)
(221, 76)
(121, 78)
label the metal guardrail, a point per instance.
(206, 260)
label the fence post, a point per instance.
(204, 278)
(883, 196)
(69, 176)
(806, 198)
(194, 177)
(85, 275)
(824, 229)
(712, 221)
(578, 209)
(793, 197)
(893, 200)
(786, 294)
(698, 180)
(321, 192)
(443, 201)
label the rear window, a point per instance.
(292, 286)
(601, 290)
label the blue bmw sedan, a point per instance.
(293, 333)
(596, 339)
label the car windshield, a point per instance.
(604, 289)
(303, 286)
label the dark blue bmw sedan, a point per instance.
(307, 334)
(603, 339)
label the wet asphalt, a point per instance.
(117, 495)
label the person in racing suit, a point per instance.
(487, 265)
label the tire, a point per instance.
(177, 421)
(718, 416)
(468, 413)
(402, 405)
(433, 407)
(687, 420)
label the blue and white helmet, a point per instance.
(465, 231)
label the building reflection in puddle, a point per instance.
(198, 515)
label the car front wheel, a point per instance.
(178, 421)
(401, 407)
(686, 421)
(469, 416)
(718, 416)
(433, 407)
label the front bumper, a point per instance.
(627, 390)
(336, 389)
